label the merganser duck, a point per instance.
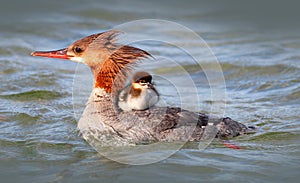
(102, 125)
(140, 94)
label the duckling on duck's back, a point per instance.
(101, 121)
(140, 94)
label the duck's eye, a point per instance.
(78, 50)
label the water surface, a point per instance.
(259, 55)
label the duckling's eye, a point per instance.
(142, 83)
(78, 50)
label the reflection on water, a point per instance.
(260, 61)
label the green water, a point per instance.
(256, 44)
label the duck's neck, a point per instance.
(99, 95)
(110, 77)
(102, 103)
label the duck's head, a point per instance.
(109, 61)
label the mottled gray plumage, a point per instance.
(104, 125)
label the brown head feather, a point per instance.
(113, 72)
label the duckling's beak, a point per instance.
(150, 85)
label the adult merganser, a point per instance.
(140, 94)
(102, 125)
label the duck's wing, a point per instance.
(173, 124)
